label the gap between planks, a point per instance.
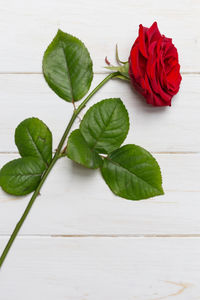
(136, 236)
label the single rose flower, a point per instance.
(154, 69)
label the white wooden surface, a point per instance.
(80, 242)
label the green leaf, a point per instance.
(105, 125)
(67, 67)
(79, 151)
(33, 138)
(21, 176)
(133, 173)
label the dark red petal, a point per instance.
(142, 43)
(153, 33)
(136, 67)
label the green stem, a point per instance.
(48, 170)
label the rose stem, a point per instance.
(56, 156)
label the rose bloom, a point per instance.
(154, 69)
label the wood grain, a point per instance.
(80, 242)
(76, 201)
(168, 129)
(28, 26)
(102, 268)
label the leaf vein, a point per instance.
(36, 147)
(105, 126)
(132, 174)
(67, 70)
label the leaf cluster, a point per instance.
(130, 171)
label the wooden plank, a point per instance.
(168, 129)
(76, 201)
(27, 27)
(80, 242)
(101, 268)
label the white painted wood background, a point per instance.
(80, 242)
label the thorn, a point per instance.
(107, 61)
(64, 150)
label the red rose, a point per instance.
(153, 66)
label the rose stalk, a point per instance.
(130, 171)
(58, 154)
